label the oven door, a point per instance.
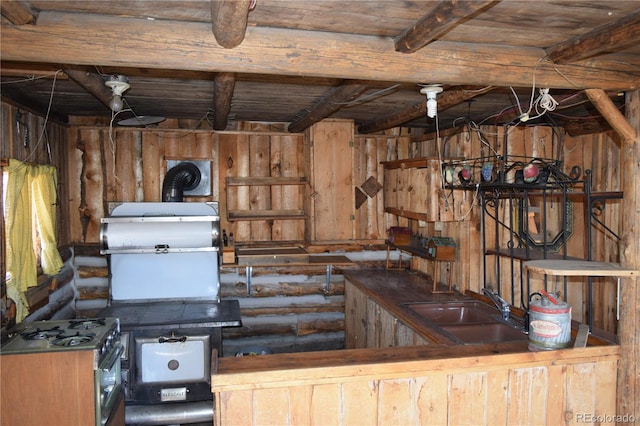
(176, 358)
(108, 385)
(172, 366)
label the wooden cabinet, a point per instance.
(413, 189)
(369, 325)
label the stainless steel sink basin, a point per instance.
(465, 312)
(485, 333)
(468, 322)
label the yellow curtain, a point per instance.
(29, 188)
(43, 196)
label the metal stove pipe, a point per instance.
(183, 177)
(170, 413)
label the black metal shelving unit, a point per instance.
(504, 188)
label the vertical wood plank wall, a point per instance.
(97, 166)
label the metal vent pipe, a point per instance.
(183, 177)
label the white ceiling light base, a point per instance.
(432, 105)
(118, 85)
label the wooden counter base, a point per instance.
(435, 384)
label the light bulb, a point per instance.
(432, 106)
(116, 103)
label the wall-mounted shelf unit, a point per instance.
(412, 189)
(233, 183)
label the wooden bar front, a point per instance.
(434, 384)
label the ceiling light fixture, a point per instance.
(432, 104)
(118, 85)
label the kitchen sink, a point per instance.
(466, 312)
(468, 322)
(485, 333)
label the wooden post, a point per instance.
(628, 393)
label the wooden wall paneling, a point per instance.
(228, 197)
(332, 180)
(383, 218)
(355, 325)
(359, 175)
(73, 175)
(365, 411)
(526, 389)
(398, 397)
(468, 396)
(234, 162)
(260, 196)
(276, 165)
(94, 188)
(287, 160)
(235, 408)
(299, 403)
(581, 382)
(325, 404)
(126, 150)
(375, 228)
(574, 154)
(372, 319)
(555, 406)
(274, 401)
(431, 410)
(152, 163)
(498, 397)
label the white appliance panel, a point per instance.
(132, 235)
(148, 276)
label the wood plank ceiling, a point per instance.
(298, 62)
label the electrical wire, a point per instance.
(46, 117)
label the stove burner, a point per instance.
(75, 340)
(42, 334)
(86, 324)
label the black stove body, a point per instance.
(164, 261)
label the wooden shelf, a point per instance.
(582, 268)
(531, 254)
(234, 182)
(265, 181)
(266, 214)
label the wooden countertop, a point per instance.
(391, 289)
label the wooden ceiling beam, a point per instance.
(326, 106)
(224, 84)
(606, 38)
(445, 15)
(63, 38)
(229, 21)
(610, 112)
(17, 12)
(91, 82)
(446, 99)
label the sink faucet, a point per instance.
(500, 303)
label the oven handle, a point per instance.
(107, 363)
(172, 339)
